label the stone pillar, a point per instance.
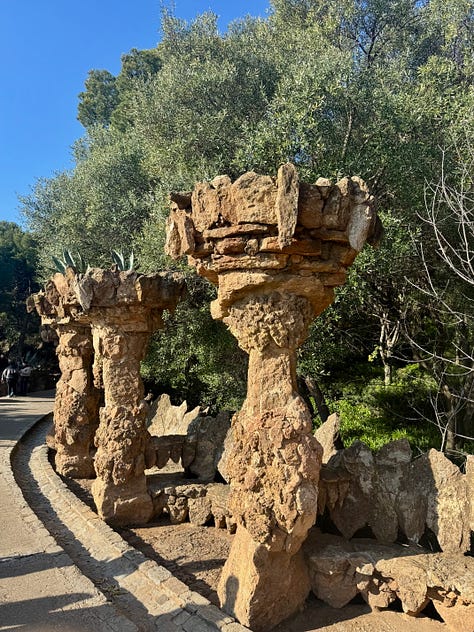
(76, 406)
(276, 249)
(273, 465)
(120, 491)
(124, 308)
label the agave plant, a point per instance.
(78, 264)
(120, 262)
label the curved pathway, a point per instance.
(41, 588)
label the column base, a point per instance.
(122, 505)
(261, 588)
(74, 466)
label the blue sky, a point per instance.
(47, 48)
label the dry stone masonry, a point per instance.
(124, 308)
(276, 249)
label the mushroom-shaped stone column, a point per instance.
(276, 249)
(76, 406)
(124, 308)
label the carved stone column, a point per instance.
(122, 440)
(276, 249)
(124, 308)
(76, 406)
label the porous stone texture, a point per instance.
(124, 308)
(391, 493)
(77, 402)
(340, 570)
(470, 485)
(196, 503)
(276, 249)
(76, 407)
(166, 419)
(328, 436)
(208, 434)
(195, 440)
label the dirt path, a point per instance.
(196, 556)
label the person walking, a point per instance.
(25, 374)
(9, 377)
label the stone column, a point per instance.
(276, 249)
(76, 406)
(120, 491)
(124, 308)
(273, 465)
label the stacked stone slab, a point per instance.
(340, 570)
(76, 408)
(276, 249)
(124, 308)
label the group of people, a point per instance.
(17, 379)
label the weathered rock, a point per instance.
(434, 493)
(166, 419)
(200, 510)
(174, 448)
(76, 408)
(392, 463)
(177, 509)
(340, 569)
(328, 436)
(389, 492)
(353, 514)
(269, 290)
(209, 434)
(470, 485)
(123, 309)
(218, 494)
(261, 577)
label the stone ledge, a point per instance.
(341, 569)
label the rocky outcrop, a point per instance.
(124, 308)
(392, 494)
(166, 419)
(276, 249)
(76, 407)
(340, 570)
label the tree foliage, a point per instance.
(18, 256)
(375, 88)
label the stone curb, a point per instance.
(174, 606)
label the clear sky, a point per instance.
(47, 48)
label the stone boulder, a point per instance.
(166, 419)
(391, 493)
(209, 434)
(339, 570)
(328, 435)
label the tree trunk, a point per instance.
(316, 393)
(451, 427)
